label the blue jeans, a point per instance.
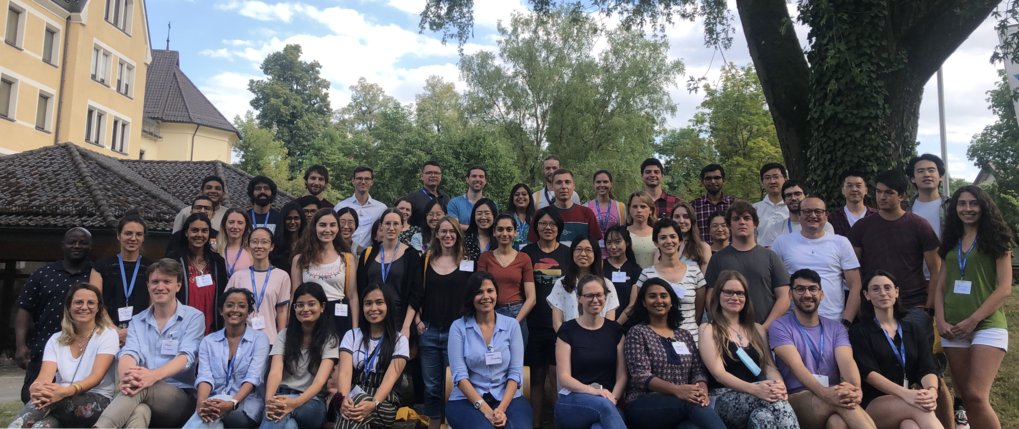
(660, 411)
(513, 311)
(310, 415)
(434, 359)
(233, 419)
(583, 411)
(462, 415)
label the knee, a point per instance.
(835, 421)
(909, 424)
(975, 396)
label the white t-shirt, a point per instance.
(829, 256)
(567, 302)
(932, 212)
(107, 343)
(277, 292)
(785, 227)
(851, 217)
(353, 343)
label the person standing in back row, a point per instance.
(368, 209)
(214, 188)
(577, 218)
(772, 210)
(651, 173)
(262, 192)
(431, 177)
(712, 179)
(854, 188)
(463, 206)
(316, 180)
(605, 207)
(793, 193)
(546, 195)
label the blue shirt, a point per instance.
(145, 342)
(467, 351)
(461, 208)
(248, 367)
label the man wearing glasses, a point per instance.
(793, 193)
(431, 177)
(828, 254)
(368, 209)
(202, 204)
(854, 188)
(712, 179)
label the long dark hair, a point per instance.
(625, 234)
(186, 246)
(572, 269)
(639, 314)
(323, 334)
(473, 228)
(996, 238)
(473, 286)
(309, 247)
(388, 343)
(720, 323)
(512, 208)
(867, 307)
(426, 231)
(280, 255)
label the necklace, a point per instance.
(738, 337)
(84, 342)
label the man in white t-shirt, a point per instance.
(772, 210)
(830, 255)
(926, 172)
(793, 192)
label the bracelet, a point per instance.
(77, 389)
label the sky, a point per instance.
(222, 43)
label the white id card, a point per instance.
(493, 358)
(169, 347)
(258, 322)
(341, 310)
(354, 391)
(467, 266)
(601, 243)
(905, 382)
(204, 280)
(125, 313)
(618, 277)
(680, 348)
(823, 379)
(963, 287)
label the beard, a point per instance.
(263, 200)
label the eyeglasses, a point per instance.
(583, 250)
(543, 225)
(432, 173)
(310, 305)
(816, 212)
(260, 242)
(733, 293)
(231, 306)
(80, 303)
(435, 215)
(348, 223)
(593, 296)
(853, 186)
(201, 209)
(793, 194)
(800, 290)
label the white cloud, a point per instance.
(228, 91)
(237, 42)
(218, 53)
(265, 12)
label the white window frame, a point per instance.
(101, 59)
(121, 132)
(47, 112)
(95, 127)
(12, 107)
(125, 78)
(19, 32)
(54, 45)
(119, 13)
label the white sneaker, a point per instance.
(961, 422)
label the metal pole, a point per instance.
(944, 133)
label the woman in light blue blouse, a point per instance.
(486, 358)
(233, 361)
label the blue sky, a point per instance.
(222, 42)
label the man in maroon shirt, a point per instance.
(577, 219)
(651, 173)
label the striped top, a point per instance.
(685, 290)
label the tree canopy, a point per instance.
(996, 149)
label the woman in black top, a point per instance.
(389, 262)
(285, 238)
(892, 357)
(478, 238)
(122, 277)
(621, 266)
(591, 367)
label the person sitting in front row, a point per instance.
(892, 354)
(741, 375)
(667, 385)
(157, 364)
(813, 355)
(232, 363)
(80, 356)
(486, 359)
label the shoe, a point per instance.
(961, 422)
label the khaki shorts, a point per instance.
(803, 406)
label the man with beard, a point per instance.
(461, 207)
(793, 193)
(830, 255)
(215, 188)
(368, 209)
(431, 177)
(854, 188)
(651, 173)
(813, 353)
(712, 179)
(41, 302)
(316, 178)
(772, 210)
(262, 192)
(545, 196)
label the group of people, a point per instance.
(651, 312)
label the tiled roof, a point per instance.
(171, 97)
(63, 186)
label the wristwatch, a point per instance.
(235, 402)
(846, 323)
(477, 405)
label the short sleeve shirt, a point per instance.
(548, 267)
(510, 278)
(302, 379)
(785, 330)
(276, 293)
(593, 357)
(686, 290)
(71, 370)
(353, 343)
(114, 296)
(567, 301)
(829, 256)
(897, 246)
(43, 296)
(763, 269)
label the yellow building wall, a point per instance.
(209, 143)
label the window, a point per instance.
(125, 76)
(13, 27)
(118, 13)
(6, 98)
(94, 126)
(42, 112)
(119, 141)
(49, 46)
(100, 65)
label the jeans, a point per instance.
(434, 359)
(462, 415)
(660, 411)
(310, 415)
(233, 419)
(512, 311)
(582, 411)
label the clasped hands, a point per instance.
(137, 378)
(44, 393)
(211, 410)
(695, 393)
(771, 391)
(356, 412)
(844, 395)
(279, 406)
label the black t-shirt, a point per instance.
(43, 296)
(548, 267)
(632, 272)
(444, 297)
(735, 366)
(592, 352)
(113, 286)
(271, 220)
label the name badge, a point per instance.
(272, 227)
(963, 287)
(493, 358)
(354, 391)
(169, 347)
(618, 277)
(823, 379)
(258, 322)
(601, 243)
(125, 313)
(680, 348)
(341, 310)
(204, 280)
(905, 382)
(467, 265)
(212, 242)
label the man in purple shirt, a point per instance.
(813, 355)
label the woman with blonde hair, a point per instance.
(76, 383)
(748, 388)
(236, 227)
(640, 218)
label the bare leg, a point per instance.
(981, 365)
(908, 424)
(946, 406)
(836, 422)
(891, 412)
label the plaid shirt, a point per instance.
(703, 208)
(665, 203)
(838, 220)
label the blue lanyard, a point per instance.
(521, 228)
(230, 361)
(817, 354)
(230, 268)
(789, 223)
(123, 275)
(385, 269)
(255, 222)
(603, 222)
(430, 197)
(900, 353)
(375, 354)
(487, 245)
(259, 298)
(962, 260)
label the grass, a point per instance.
(8, 410)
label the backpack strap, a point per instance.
(367, 252)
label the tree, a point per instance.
(685, 152)
(439, 108)
(548, 91)
(367, 101)
(996, 149)
(851, 101)
(261, 154)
